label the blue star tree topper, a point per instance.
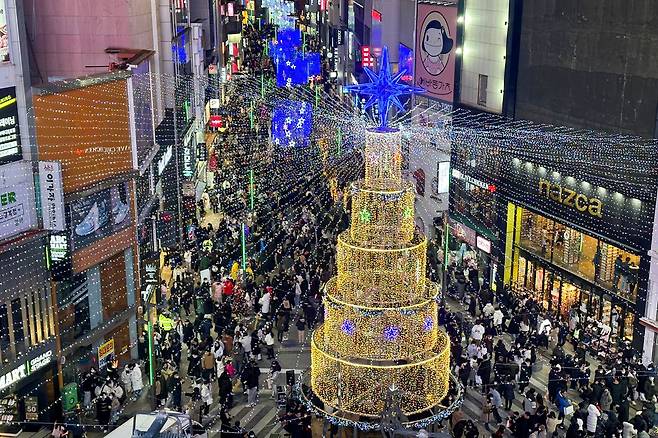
(384, 89)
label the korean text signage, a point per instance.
(366, 57)
(17, 207)
(10, 139)
(435, 50)
(483, 244)
(105, 352)
(25, 369)
(99, 215)
(52, 195)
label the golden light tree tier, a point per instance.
(383, 159)
(392, 333)
(382, 217)
(381, 277)
(359, 386)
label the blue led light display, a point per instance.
(348, 327)
(391, 333)
(384, 89)
(293, 67)
(292, 123)
(428, 324)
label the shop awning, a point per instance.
(480, 229)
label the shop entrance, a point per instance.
(607, 319)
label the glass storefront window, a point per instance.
(521, 271)
(629, 320)
(590, 258)
(4, 329)
(570, 297)
(606, 319)
(475, 202)
(539, 280)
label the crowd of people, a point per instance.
(504, 338)
(220, 321)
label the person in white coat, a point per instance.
(206, 398)
(498, 318)
(126, 380)
(264, 302)
(593, 414)
(136, 379)
(629, 430)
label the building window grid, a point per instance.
(25, 322)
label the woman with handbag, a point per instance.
(563, 404)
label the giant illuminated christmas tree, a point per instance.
(380, 330)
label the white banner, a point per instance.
(17, 208)
(52, 195)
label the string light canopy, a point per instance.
(622, 160)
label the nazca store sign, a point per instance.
(25, 369)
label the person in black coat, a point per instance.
(523, 426)
(225, 390)
(525, 375)
(554, 379)
(176, 392)
(597, 391)
(104, 410)
(507, 391)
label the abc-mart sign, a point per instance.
(25, 369)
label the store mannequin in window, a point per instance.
(596, 261)
(544, 241)
(619, 262)
(633, 273)
(624, 275)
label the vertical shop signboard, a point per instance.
(10, 140)
(105, 353)
(32, 408)
(150, 277)
(435, 50)
(59, 257)
(52, 195)
(188, 154)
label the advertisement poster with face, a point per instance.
(435, 50)
(99, 215)
(4, 34)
